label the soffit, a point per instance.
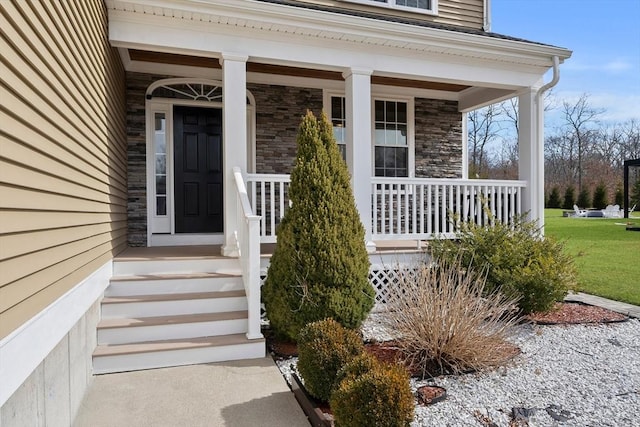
(267, 19)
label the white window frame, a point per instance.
(377, 96)
(159, 223)
(326, 106)
(391, 4)
(410, 131)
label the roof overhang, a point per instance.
(487, 68)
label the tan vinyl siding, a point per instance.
(62, 152)
(464, 13)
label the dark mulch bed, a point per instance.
(563, 313)
(389, 351)
(572, 313)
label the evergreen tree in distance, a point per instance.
(554, 198)
(584, 201)
(600, 196)
(320, 266)
(569, 198)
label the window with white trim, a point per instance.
(391, 142)
(339, 121)
(421, 6)
(392, 132)
(160, 152)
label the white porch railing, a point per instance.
(425, 208)
(404, 208)
(270, 199)
(248, 239)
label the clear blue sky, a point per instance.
(604, 36)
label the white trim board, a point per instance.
(185, 239)
(25, 348)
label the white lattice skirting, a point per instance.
(382, 278)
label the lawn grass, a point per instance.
(607, 256)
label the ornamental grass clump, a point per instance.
(324, 347)
(320, 266)
(446, 322)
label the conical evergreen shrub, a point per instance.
(320, 266)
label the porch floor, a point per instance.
(266, 250)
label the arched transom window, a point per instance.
(189, 89)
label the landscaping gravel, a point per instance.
(577, 375)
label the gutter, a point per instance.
(540, 134)
(486, 25)
(554, 80)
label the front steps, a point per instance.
(173, 311)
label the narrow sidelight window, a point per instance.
(160, 151)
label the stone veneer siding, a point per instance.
(279, 110)
(137, 84)
(438, 139)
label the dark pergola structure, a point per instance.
(628, 164)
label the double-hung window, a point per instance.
(422, 6)
(391, 142)
(392, 129)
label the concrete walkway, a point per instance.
(617, 306)
(227, 394)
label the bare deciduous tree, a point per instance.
(581, 121)
(580, 152)
(483, 127)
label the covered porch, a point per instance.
(396, 92)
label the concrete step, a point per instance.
(153, 284)
(173, 304)
(134, 330)
(157, 354)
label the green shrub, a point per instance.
(600, 196)
(320, 265)
(554, 198)
(379, 397)
(584, 201)
(569, 198)
(519, 263)
(324, 347)
(358, 366)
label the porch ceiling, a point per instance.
(282, 70)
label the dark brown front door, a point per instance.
(198, 169)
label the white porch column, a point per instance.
(234, 134)
(531, 154)
(358, 139)
(465, 146)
